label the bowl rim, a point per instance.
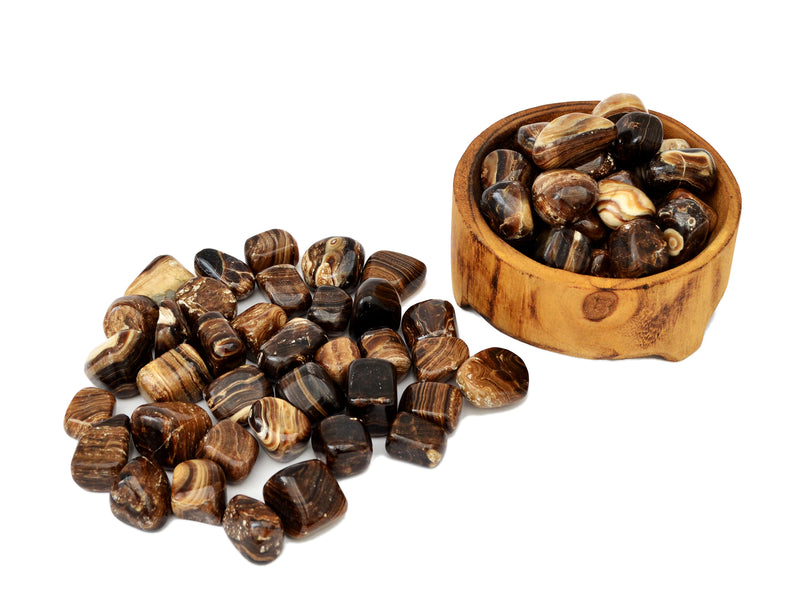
(465, 180)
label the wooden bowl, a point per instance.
(663, 315)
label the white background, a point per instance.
(134, 129)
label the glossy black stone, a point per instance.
(639, 137)
(372, 393)
(376, 304)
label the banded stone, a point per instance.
(429, 318)
(616, 105)
(272, 247)
(292, 345)
(101, 453)
(140, 497)
(344, 444)
(178, 375)
(168, 432)
(114, 364)
(253, 528)
(199, 491)
(232, 447)
(335, 357)
(638, 249)
(88, 406)
(492, 378)
(230, 395)
(200, 295)
(257, 324)
(387, 344)
(284, 287)
(220, 345)
(334, 261)
(331, 309)
(561, 196)
(571, 139)
(563, 248)
(692, 168)
(281, 429)
(435, 401)
(437, 358)
(131, 312)
(310, 388)
(416, 440)
(171, 328)
(160, 279)
(506, 165)
(406, 273)
(506, 207)
(231, 271)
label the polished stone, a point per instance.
(404, 272)
(438, 358)
(376, 304)
(283, 286)
(131, 312)
(616, 105)
(311, 389)
(430, 318)
(691, 168)
(638, 249)
(344, 444)
(200, 295)
(435, 401)
(335, 357)
(526, 136)
(160, 279)
(506, 207)
(169, 432)
(416, 440)
(88, 406)
(372, 394)
(140, 497)
(231, 271)
(306, 497)
(639, 137)
(331, 309)
(114, 364)
(232, 447)
(619, 202)
(563, 248)
(506, 165)
(571, 139)
(492, 378)
(292, 345)
(199, 491)
(387, 344)
(257, 324)
(561, 196)
(179, 374)
(281, 429)
(334, 261)
(219, 343)
(172, 329)
(273, 247)
(253, 528)
(687, 222)
(230, 395)
(101, 453)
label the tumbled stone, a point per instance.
(284, 287)
(387, 344)
(200, 295)
(169, 432)
(231, 271)
(114, 364)
(404, 272)
(179, 375)
(140, 497)
(131, 312)
(335, 357)
(435, 401)
(591, 226)
(343, 444)
(686, 222)
(372, 394)
(438, 358)
(88, 406)
(561, 196)
(306, 497)
(492, 378)
(273, 247)
(620, 202)
(416, 440)
(334, 261)
(506, 207)
(639, 137)
(232, 447)
(282, 429)
(692, 168)
(563, 248)
(160, 279)
(429, 318)
(598, 167)
(571, 139)
(257, 324)
(310, 388)
(101, 453)
(219, 344)
(616, 105)
(199, 491)
(331, 309)
(172, 329)
(230, 395)
(638, 249)
(292, 345)
(376, 304)
(506, 165)
(673, 144)
(526, 136)
(253, 528)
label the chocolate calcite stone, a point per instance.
(492, 378)
(335, 357)
(438, 358)
(343, 444)
(331, 309)
(638, 249)
(273, 247)
(230, 395)
(292, 345)
(306, 497)
(231, 271)
(114, 364)
(334, 261)
(172, 329)
(88, 406)
(160, 279)
(416, 440)
(372, 394)
(205, 294)
(179, 375)
(435, 401)
(253, 528)
(199, 491)
(101, 453)
(506, 165)
(169, 432)
(257, 324)
(282, 429)
(219, 343)
(232, 447)
(131, 312)
(405, 273)
(376, 304)
(310, 388)
(387, 344)
(572, 139)
(284, 287)
(429, 318)
(140, 497)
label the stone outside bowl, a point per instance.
(663, 315)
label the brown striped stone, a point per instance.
(310, 388)
(284, 287)
(219, 343)
(230, 446)
(292, 345)
(335, 260)
(200, 295)
(416, 440)
(88, 406)
(435, 401)
(230, 395)
(273, 247)
(387, 344)
(257, 324)
(253, 528)
(199, 491)
(101, 453)
(405, 273)
(172, 329)
(140, 497)
(438, 358)
(160, 279)
(231, 271)
(429, 318)
(343, 444)
(282, 429)
(335, 357)
(131, 312)
(169, 432)
(492, 378)
(114, 364)
(179, 375)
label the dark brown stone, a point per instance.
(169, 432)
(199, 491)
(492, 378)
(131, 312)
(292, 345)
(282, 429)
(343, 444)
(172, 329)
(101, 453)
(637, 249)
(561, 196)
(438, 358)
(200, 295)
(331, 309)
(179, 375)
(506, 207)
(114, 364)
(253, 528)
(88, 406)
(430, 318)
(140, 497)
(273, 247)
(334, 261)
(257, 324)
(571, 140)
(387, 344)
(372, 394)
(563, 248)
(230, 446)
(284, 287)
(231, 271)
(219, 343)
(310, 388)
(416, 440)
(230, 395)
(435, 401)
(376, 304)
(506, 165)
(405, 273)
